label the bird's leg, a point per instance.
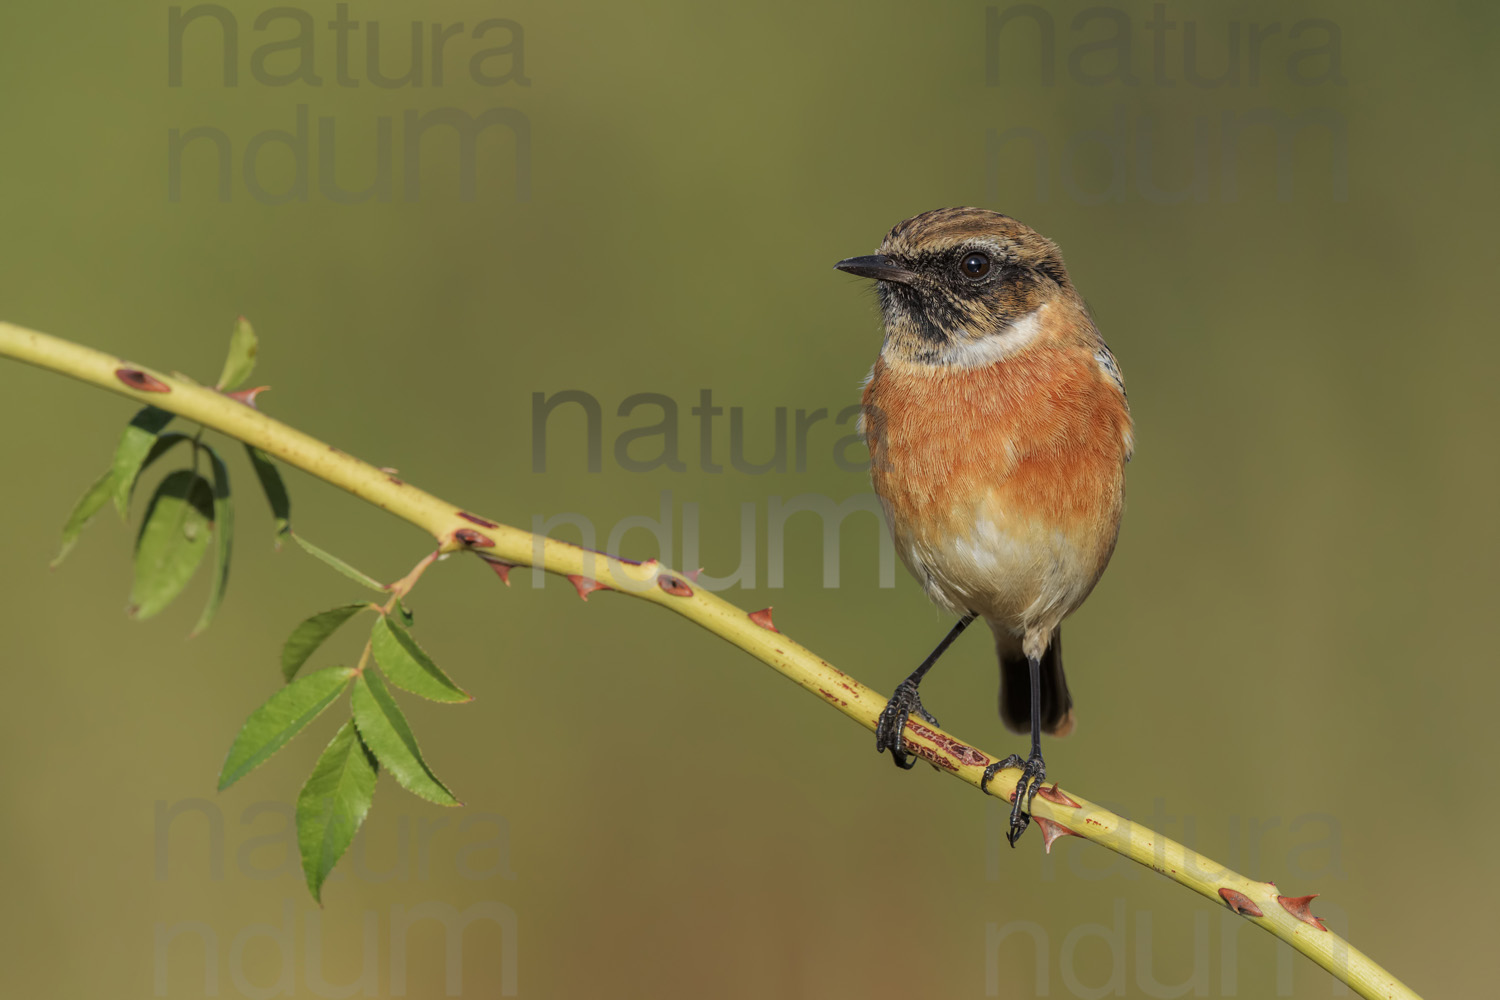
(905, 700)
(1033, 768)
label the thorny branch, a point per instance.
(1058, 813)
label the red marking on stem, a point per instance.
(502, 569)
(833, 697)
(1240, 903)
(398, 482)
(471, 537)
(674, 586)
(247, 396)
(586, 586)
(1057, 797)
(140, 381)
(763, 619)
(477, 520)
(931, 756)
(1051, 830)
(1090, 819)
(1301, 908)
(964, 754)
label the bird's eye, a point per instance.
(976, 265)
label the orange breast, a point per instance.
(1034, 444)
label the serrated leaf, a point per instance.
(332, 805)
(274, 489)
(130, 454)
(223, 540)
(385, 731)
(172, 540)
(308, 636)
(283, 716)
(241, 359)
(409, 667)
(338, 564)
(92, 501)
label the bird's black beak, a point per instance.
(877, 266)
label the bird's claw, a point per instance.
(890, 729)
(1033, 773)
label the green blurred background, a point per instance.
(1287, 664)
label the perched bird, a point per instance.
(998, 431)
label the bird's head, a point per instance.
(963, 286)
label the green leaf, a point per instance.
(385, 731)
(223, 540)
(283, 716)
(241, 360)
(407, 618)
(333, 804)
(274, 489)
(338, 564)
(130, 454)
(92, 501)
(97, 495)
(409, 667)
(311, 634)
(172, 540)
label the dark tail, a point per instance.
(1015, 687)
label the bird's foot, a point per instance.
(890, 729)
(1033, 773)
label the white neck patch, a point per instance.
(989, 349)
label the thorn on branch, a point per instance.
(247, 396)
(140, 381)
(1057, 797)
(1051, 829)
(586, 586)
(1240, 903)
(693, 574)
(763, 619)
(1301, 908)
(674, 586)
(502, 569)
(473, 538)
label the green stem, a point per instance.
(1059, 813)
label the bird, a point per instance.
(998, 429)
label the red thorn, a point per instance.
(502, 569)
(471, 537)
(140, 381)
(1301, 908)
(674, 586)
(647, 562)
(477, 520)
(763, 619)
(586, 586)
(1057, 797)
(694, 574)
(1051, 830)
(1240, 903)
(247, 396)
